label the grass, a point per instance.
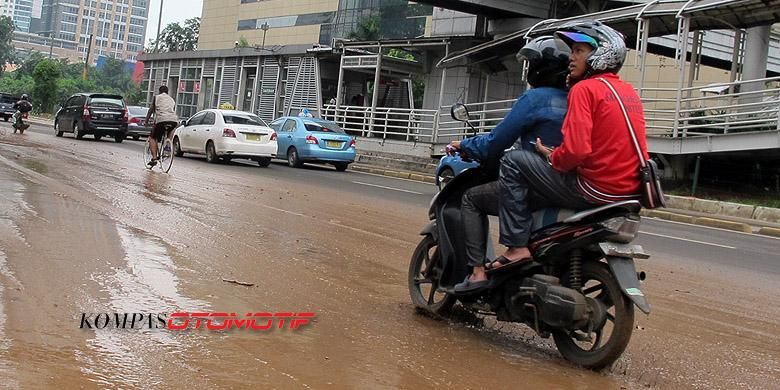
(752, 197)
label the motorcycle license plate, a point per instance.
(333, 144)
(623, 250)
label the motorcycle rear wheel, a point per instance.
(424, 275)
(599, 284)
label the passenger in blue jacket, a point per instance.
(538, 113)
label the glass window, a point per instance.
(289, 125)
(106, 101)
(138, 111)
(196, 119)
(322, 126)
(209, 119)
(277, 124)
(243, 118)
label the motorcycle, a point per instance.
(20, 122)
(580, 288)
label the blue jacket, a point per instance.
(538, 112)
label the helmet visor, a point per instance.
(574, 37)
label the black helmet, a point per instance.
(25, 97)
(609, 45)
(548, 62)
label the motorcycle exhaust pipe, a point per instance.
(641, 276)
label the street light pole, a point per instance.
(159, 22)
(265, 28)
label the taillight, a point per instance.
(352, 143)
(85, 113)
(228, 133)
(310, 139)
(273, 136)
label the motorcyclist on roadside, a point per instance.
(21, 106)
(597, 162)
(537, 114)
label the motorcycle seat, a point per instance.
(549, 216)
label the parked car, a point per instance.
(7, 102)
(451, 166)
(226, 134)
(98, 114)
(305, 139)
(136, 122)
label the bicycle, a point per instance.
(164, 149)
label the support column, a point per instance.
(375, 97)
(339, 92)
(754, 67)
(682, 54)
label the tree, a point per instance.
(16, 86)
(242, 42)
(6, 36)
(45, 77)
(175, 37)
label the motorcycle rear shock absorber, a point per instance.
(575, 270)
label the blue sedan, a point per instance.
(451, 166)
(305, 139)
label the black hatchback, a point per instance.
(98, 114)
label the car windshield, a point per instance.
(106, 101)
(322, 126)
(243, 119)
(7, 99)
(138, 111)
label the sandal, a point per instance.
(502, 263)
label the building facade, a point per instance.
(110, 28)
(284, 22)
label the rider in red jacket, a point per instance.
(597, 162)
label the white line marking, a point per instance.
(685, 239)
(387, 188)
(712, 228)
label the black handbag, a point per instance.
(652, 195)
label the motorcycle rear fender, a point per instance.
(431, 229)
(625, 272)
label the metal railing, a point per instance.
(698, 114)
(403, 124)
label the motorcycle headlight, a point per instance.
(624, 228)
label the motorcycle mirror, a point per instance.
(459, 112)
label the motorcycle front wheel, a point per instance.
(424, 275)
(605, 345)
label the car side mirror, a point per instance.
(184, 123)
(459, 112)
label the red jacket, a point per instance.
(596, 141)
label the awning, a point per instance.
(663, 17)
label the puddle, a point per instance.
(144, 282)
(7, 371)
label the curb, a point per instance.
(394, 174)
(704, 221)
(768, 231)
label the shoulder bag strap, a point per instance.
(642, 161)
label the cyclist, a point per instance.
(165, 120)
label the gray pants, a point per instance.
(478, 203)
(528, 183)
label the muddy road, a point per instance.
(84, 228)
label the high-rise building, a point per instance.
(7, 8)
(113, 28)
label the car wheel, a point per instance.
(211, 153)
(263, 162)
(78, 133)
(57, 130)
(98, 137)
(119, 138)
(136, 137)
(5, 118)
(341, 166)
(292, 158)
(177, 147)
(445, 176)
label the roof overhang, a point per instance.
(663, 16)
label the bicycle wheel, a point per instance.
(166, 155)
(147, 154)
